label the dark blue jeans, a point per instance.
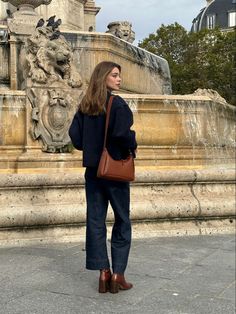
(99, 193)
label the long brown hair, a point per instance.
(95, 97)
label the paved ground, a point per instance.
(178, 275)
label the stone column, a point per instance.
(13, 62)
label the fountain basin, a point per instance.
(172, 131)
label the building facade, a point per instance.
(217, 13)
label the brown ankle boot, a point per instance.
(104, 280)
(118, 282)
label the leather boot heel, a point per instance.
(118, 282)
(104, 281)
(103, 286)
(114, 287)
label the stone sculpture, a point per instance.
(51, 119)
(50, 76)
(49, 58)
(122, 30)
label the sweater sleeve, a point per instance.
(121, 124)
(76, 131)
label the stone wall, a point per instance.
(172, 132)
(183, 130)
(199, 199)
(142, 71)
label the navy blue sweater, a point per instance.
(87, 133)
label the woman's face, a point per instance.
(113, 79)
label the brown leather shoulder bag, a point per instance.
(110, 169)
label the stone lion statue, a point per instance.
(49, 58)
(122, 29)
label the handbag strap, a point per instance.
(107, 119)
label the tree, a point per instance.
(205, 59)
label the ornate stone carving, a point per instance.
(123, 30)
(50, 77)
(51, 114)
(49, 58)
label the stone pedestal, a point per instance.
(23, 24)
(25, 18)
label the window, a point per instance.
(211, 21)
(232, 19)
(195, 25)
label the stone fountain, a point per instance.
(185, 163)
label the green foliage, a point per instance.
(205, 59)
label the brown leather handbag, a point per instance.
(110, 169)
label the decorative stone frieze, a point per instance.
(122, 30)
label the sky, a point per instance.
(147, 16)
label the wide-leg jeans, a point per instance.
(99, 193)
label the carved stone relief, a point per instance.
(122, 29)
(52, 84)
(52, 112)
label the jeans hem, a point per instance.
(97, 265)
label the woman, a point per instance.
(87, 134)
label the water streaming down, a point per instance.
(208, 125)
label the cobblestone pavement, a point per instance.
(172, 275)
